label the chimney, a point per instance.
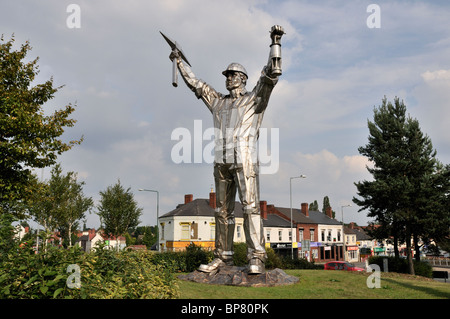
(212, 200)
(263, 209)
(305, 209)
(329, 212)
(188, 198)
(352, 225)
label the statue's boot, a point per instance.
(256, 266)
(214, 265)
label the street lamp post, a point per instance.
(343, 232)
(157, 212)
(290, 198)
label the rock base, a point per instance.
(239, 276)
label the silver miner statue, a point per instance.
(237, 118)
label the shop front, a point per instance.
(352, 253)
(330, 252)
(379, 251)
(311, 250)
(285, 249)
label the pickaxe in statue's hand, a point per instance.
(177, 50)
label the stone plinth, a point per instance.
(239, 276)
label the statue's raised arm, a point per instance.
(274, 63)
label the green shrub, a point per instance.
(299, 263)
(195, 256)
(240, 254)
(422, 268)
(240, 257)
(131, 275)
(176, 261)
(400, 265)
(103, 273)
(24, 274)
(273, 260)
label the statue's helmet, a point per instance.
(235, 67)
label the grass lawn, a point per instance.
(326, 284)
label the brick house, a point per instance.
(194, 222)
(324, 233)
(277, 231)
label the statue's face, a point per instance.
(233, 80)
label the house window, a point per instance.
(290, 235)
(323, 235)
(238, 230)
(311, 232)
(268, 235)
(339, 235)
(329, 235)
(300, 234)
(185, 234)
(280, 235)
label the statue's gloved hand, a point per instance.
(175, 54)
(276, 33)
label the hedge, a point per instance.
(102, 274)
(190, 260)
(400, 265)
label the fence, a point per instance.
(438, 261)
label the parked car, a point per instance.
(341, 265)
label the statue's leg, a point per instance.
(224, 218)
(247, 179)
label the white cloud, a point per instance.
(430, 76)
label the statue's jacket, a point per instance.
(236, 119)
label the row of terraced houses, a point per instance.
(313, 235)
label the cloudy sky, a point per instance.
(115, 68)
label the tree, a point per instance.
(41, 205)
(433, 209)
(118, 210)
(73, 205)
(314, 206)
(404, 163)
(326, 204)
(28, 138)
(60, 203)
(150, 236)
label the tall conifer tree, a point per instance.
(404, 175)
